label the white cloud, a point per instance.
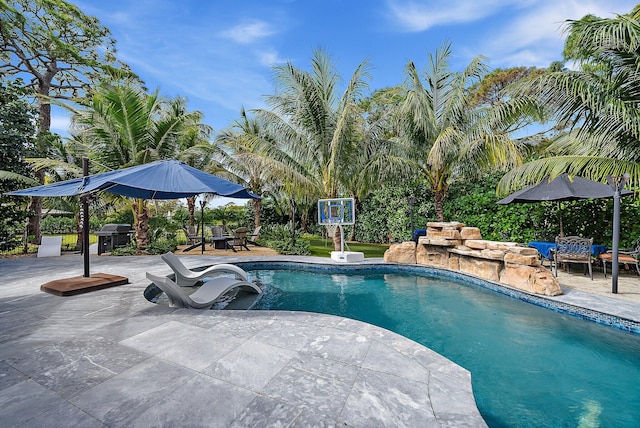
(269, 57)
(535, 37)
(420, 16)
(248, 32)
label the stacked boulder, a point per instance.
(452, 245)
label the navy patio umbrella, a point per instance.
(163, 179)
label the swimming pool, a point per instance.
(530, 366)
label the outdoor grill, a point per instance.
(113, 236)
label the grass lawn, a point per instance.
(323, 248)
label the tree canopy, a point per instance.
(597, 106)
(59, 51)
(16, 141)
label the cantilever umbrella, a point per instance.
(562, 188)
(163, 179)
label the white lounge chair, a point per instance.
(50, 246)
(186, 277)
(205, 296)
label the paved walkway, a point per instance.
(111, 358)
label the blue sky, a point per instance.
(219, 54)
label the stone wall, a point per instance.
(452, 245)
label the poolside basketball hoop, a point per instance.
(334, 214)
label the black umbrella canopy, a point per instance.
(562, 188)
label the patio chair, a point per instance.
(253, 236)
(573, 249)
(240, 238)
(50, 246)
(186, 277)
(219, 238)
(628, 256)
(219, 231)
(192, 235)
(205, 296)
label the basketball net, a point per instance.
(331, 230)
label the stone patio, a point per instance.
(111, 358)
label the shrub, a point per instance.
(386, 212)
(161, 246)
(129, 250)
(51, 225)
(300, 247)
(280, 238)
(474, 203)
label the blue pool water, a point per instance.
(531, 367)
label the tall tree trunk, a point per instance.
(257, 207)
(34, 233)
(337, 240)
(44, 125)
(191, 207)
(142, 225)
(439, 196)
(356, 201)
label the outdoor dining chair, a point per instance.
(573, 249)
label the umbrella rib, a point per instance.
(108, 187)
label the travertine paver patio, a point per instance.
(111, 358)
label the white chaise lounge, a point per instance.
(205, 296)
(186, 277)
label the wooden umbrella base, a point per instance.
(82, 284)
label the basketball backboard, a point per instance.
(336, 211)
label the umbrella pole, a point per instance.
(618, 184)
(560, 219)
(84, 201)
(616, 242)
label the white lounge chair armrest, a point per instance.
(229, 268)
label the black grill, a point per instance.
(113, 236)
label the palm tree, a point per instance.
(597, 105)
(124, 126)
(252, 156)
(443, 135)
(315, 125)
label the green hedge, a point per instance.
(386, 212)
